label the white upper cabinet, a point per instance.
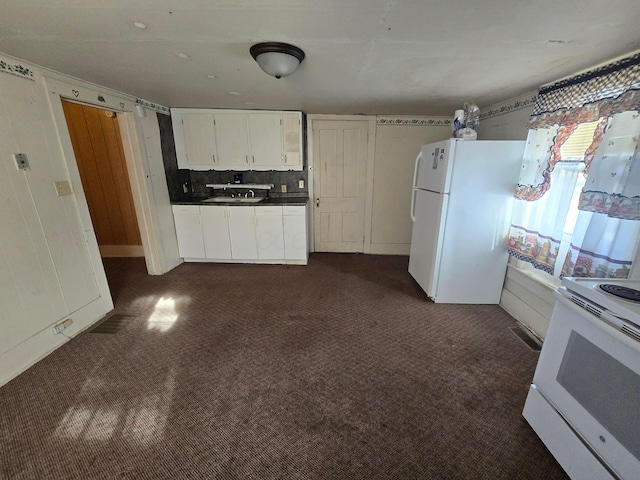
(199, 139)
(292, 139)
(209, 139)
(265, 137)
(232, 139)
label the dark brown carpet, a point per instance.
(341, 369)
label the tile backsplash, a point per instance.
(194, 181)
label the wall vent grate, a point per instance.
(113, 323)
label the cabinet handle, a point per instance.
(214, 158)
(253, 160)
(246, 157)
(285, 158)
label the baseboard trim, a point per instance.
(390, 248)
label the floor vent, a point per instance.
(113, 324)
(526, 338)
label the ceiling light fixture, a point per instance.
(139, 25)
(277, 59)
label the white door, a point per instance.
(215, 230)
(199, 138)
(426, 239)
(340, 157)
(232, 139)
(242, 232)
(265, 133)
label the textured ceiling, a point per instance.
(362, 56)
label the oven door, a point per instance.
(589, 372)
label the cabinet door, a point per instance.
(242, 232)
(232, 140)
(199, 139)
(269, 233)
(295, 233)
(189, 232)
(215, 230)
(292, 139)
(265, 135)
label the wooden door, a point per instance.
(340, 159)
(97, 146)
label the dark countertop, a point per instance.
(291, 200)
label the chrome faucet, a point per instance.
(253, 194)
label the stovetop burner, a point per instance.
(620, 291)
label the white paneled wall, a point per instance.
(50, 266)
(528, 298)
(397, 145)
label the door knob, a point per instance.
(317, 202)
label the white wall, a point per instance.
(50, 267)
(398, 141)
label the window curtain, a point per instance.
(607, 229)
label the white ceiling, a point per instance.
(389, 57)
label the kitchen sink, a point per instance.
(234, 200)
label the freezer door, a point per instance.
(426, 239)
(433, 167)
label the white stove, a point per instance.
(583, 402)
(605, 293)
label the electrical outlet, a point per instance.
(21, 161)
(63, 187)
(300, 183)
(283, 188)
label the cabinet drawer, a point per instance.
(188, 209)
(271, 210)
(293, 210)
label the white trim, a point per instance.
(390, 248)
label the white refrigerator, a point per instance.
(461, 211)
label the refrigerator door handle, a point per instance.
(412, 213)
(415, 170)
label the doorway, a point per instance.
(96, 140)
(340, 153)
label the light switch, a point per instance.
(300, 183)
(63, 187)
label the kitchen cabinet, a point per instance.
(269, 233)
(265, 138)
(189, 231)
(215, 230)
(210, 139)
(199, 139)
(295, 233)
(242, 232)
(231, 137)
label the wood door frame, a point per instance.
(132, 138)
(371, 147)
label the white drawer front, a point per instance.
(189, 209)
(293, 210)
(269, 210)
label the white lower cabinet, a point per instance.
(189, 231)
(269, 233)
(242, 232)
(260, 234)
(215, 229)
(295, 233)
